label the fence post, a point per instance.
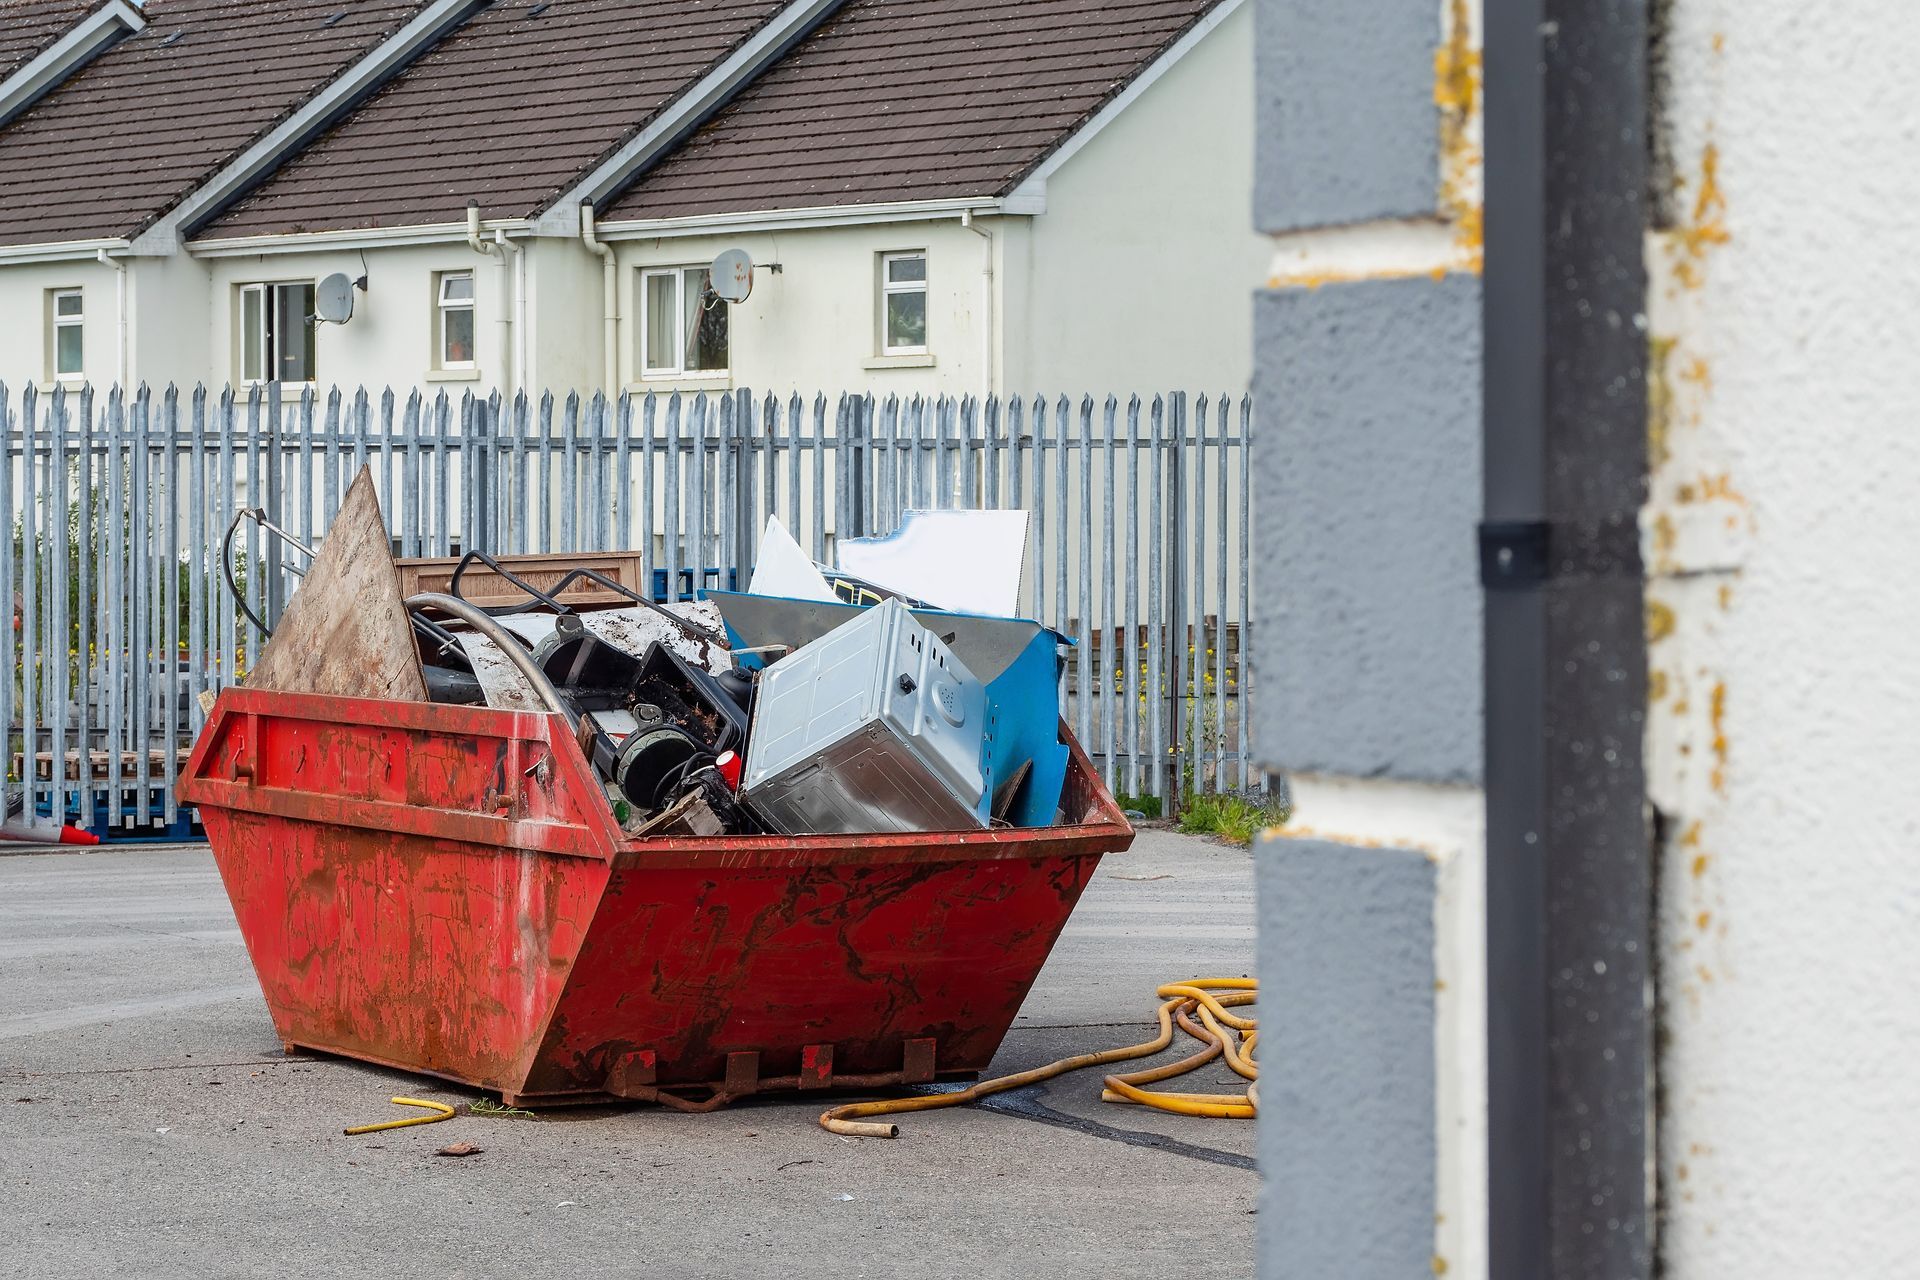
(270, 560)
(854, 467)
(1177, 665)
(480, 461)
(746, 512)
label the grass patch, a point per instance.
(1235, 818)
(1149, 805)
(488, 1107)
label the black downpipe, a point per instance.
(1568, 879)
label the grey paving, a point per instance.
(150, 1127)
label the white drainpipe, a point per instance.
(120, 317)
(610, 289)
(986, 301)
(497, 247)
(511, 300)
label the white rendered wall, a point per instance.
(814, 326)
(389, 341)
(1786, 721)
(1133, 281)
(565, 308)
(25, 356)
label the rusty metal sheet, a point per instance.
(443, 889)
(502, 682)
(635, 629)
(631, 630)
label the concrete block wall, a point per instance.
(1368, 643)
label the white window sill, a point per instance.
(72, 386)
(921, 360)
(683, 382)
(453, 375)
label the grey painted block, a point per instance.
(1347, 1141)
(1366, 599)
(1345, 120)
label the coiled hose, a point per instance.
(1192, 1005)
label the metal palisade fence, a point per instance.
(119, 506)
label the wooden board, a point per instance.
(482, 586)
(346, 632)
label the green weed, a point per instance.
(1234, 818)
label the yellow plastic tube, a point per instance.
(1221, 1031)
(444, 1112)
(848, 1119)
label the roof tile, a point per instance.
(510, 110)
(28, 27)
(895, 100)
(133, 132)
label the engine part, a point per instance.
(651, 767)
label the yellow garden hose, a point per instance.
(444, 1111)
(1220, 1031)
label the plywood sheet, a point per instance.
(346, 632)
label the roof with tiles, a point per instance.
(510, 111)
(900, 100)
(28, 26)
(135, 131)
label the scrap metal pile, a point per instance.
(892, 693)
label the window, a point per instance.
(903, 304)
(453, 320)
(683, 326)
(276, 333)
(67, 316)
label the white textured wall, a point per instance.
(1786, 731)
(813, 327)
(389, 341)
(24, 355)
(1134, 279)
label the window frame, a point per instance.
(442, 306)
(268, 292)
(678, 274)
(57, 322)
(889, 288)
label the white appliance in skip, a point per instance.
(874, 727)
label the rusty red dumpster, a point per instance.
(444, 889)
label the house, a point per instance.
(962, 196)
(937, 196)
(153, 116)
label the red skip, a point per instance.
(443, 889)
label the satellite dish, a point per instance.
(333, 299)
(732, 276)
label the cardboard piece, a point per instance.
(346, 630)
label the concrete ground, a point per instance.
(149, 1125)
